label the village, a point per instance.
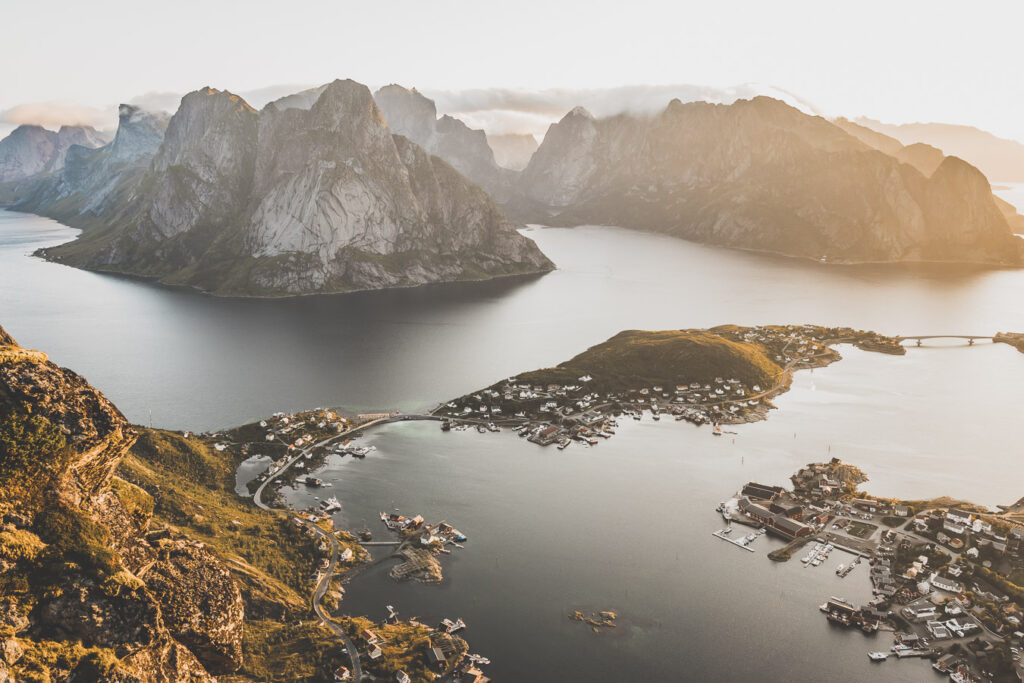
(945, 576)
(587, 409)
(405, 651)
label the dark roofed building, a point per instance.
(790, 527)
(788, 509)
(761, 491)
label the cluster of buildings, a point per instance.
(773, 508)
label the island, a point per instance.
(721, 375)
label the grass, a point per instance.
(637, 358)
(191, 485)
(404, 646)
(860, 529)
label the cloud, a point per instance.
(56, 114)
(507, 110)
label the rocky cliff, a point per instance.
(293, 200)
(411, 114)
(33, 150)
(759, 174)
(87, 593)
(95, 185)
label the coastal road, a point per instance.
(325, 580)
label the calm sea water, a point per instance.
(625, 525)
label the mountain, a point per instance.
(924, 158)
(95, 183)
(759, 174)
(1001, 160)
(289, 200)
(88, 593)
(31, 150)
(512, 150)
(411, 114)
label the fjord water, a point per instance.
(623, 526)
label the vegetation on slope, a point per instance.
(636, 358)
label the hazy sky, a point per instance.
(897, 60)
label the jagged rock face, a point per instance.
(200, 603)
(97, 182)
(95, 429)
(761, 175)
(203, 169)
(32, 150)
(184, 615)
(512, 151)
(297, 200)
(414, 116)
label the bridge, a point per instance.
(923, 337)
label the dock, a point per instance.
(719, 534)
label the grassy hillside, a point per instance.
(190, 487)
(637, 358)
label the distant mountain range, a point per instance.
(312, 194)
(760, 174)
(1001, 160)
(333, 189)
(31, 150)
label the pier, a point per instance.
(719, 534)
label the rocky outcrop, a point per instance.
(512, 150)
(759, 174)
(33, 150)
(298, 200)
(200, 603)
(414, 116)
(81, 566)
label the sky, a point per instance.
(898, 61)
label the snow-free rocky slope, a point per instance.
(759, 174)
(291, 200)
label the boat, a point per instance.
(491, 427)
(823, 607)
(816, 561)
(727, 530)
(752, 537)
(331, 504)
(806, 559)
(655, 416)
(446, 426)
(366, 535)
(716, 430)
(878, 656)
(840, 568)
(481, 429)
(563, 443)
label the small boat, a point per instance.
(563, 443)
(840, 568)
(481, 429)
(716, 430)
(823, 607)
(446, 426)
(878, 656)
(727, 530)
(366, 535)
(816, 561)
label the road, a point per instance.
(325, 580)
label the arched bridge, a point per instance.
(922, 337)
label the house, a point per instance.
(375, 652)
(762, 491)
(944, 583)
(402, 677)
(369, 636)
(346, 555)
(435, 656)
(959, 517)
(901, 511)
(790, 510)
(342, 674)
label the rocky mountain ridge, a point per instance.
(759, 174)
(83, 577)
(413, 115)
(289, 200)
(32, 150)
